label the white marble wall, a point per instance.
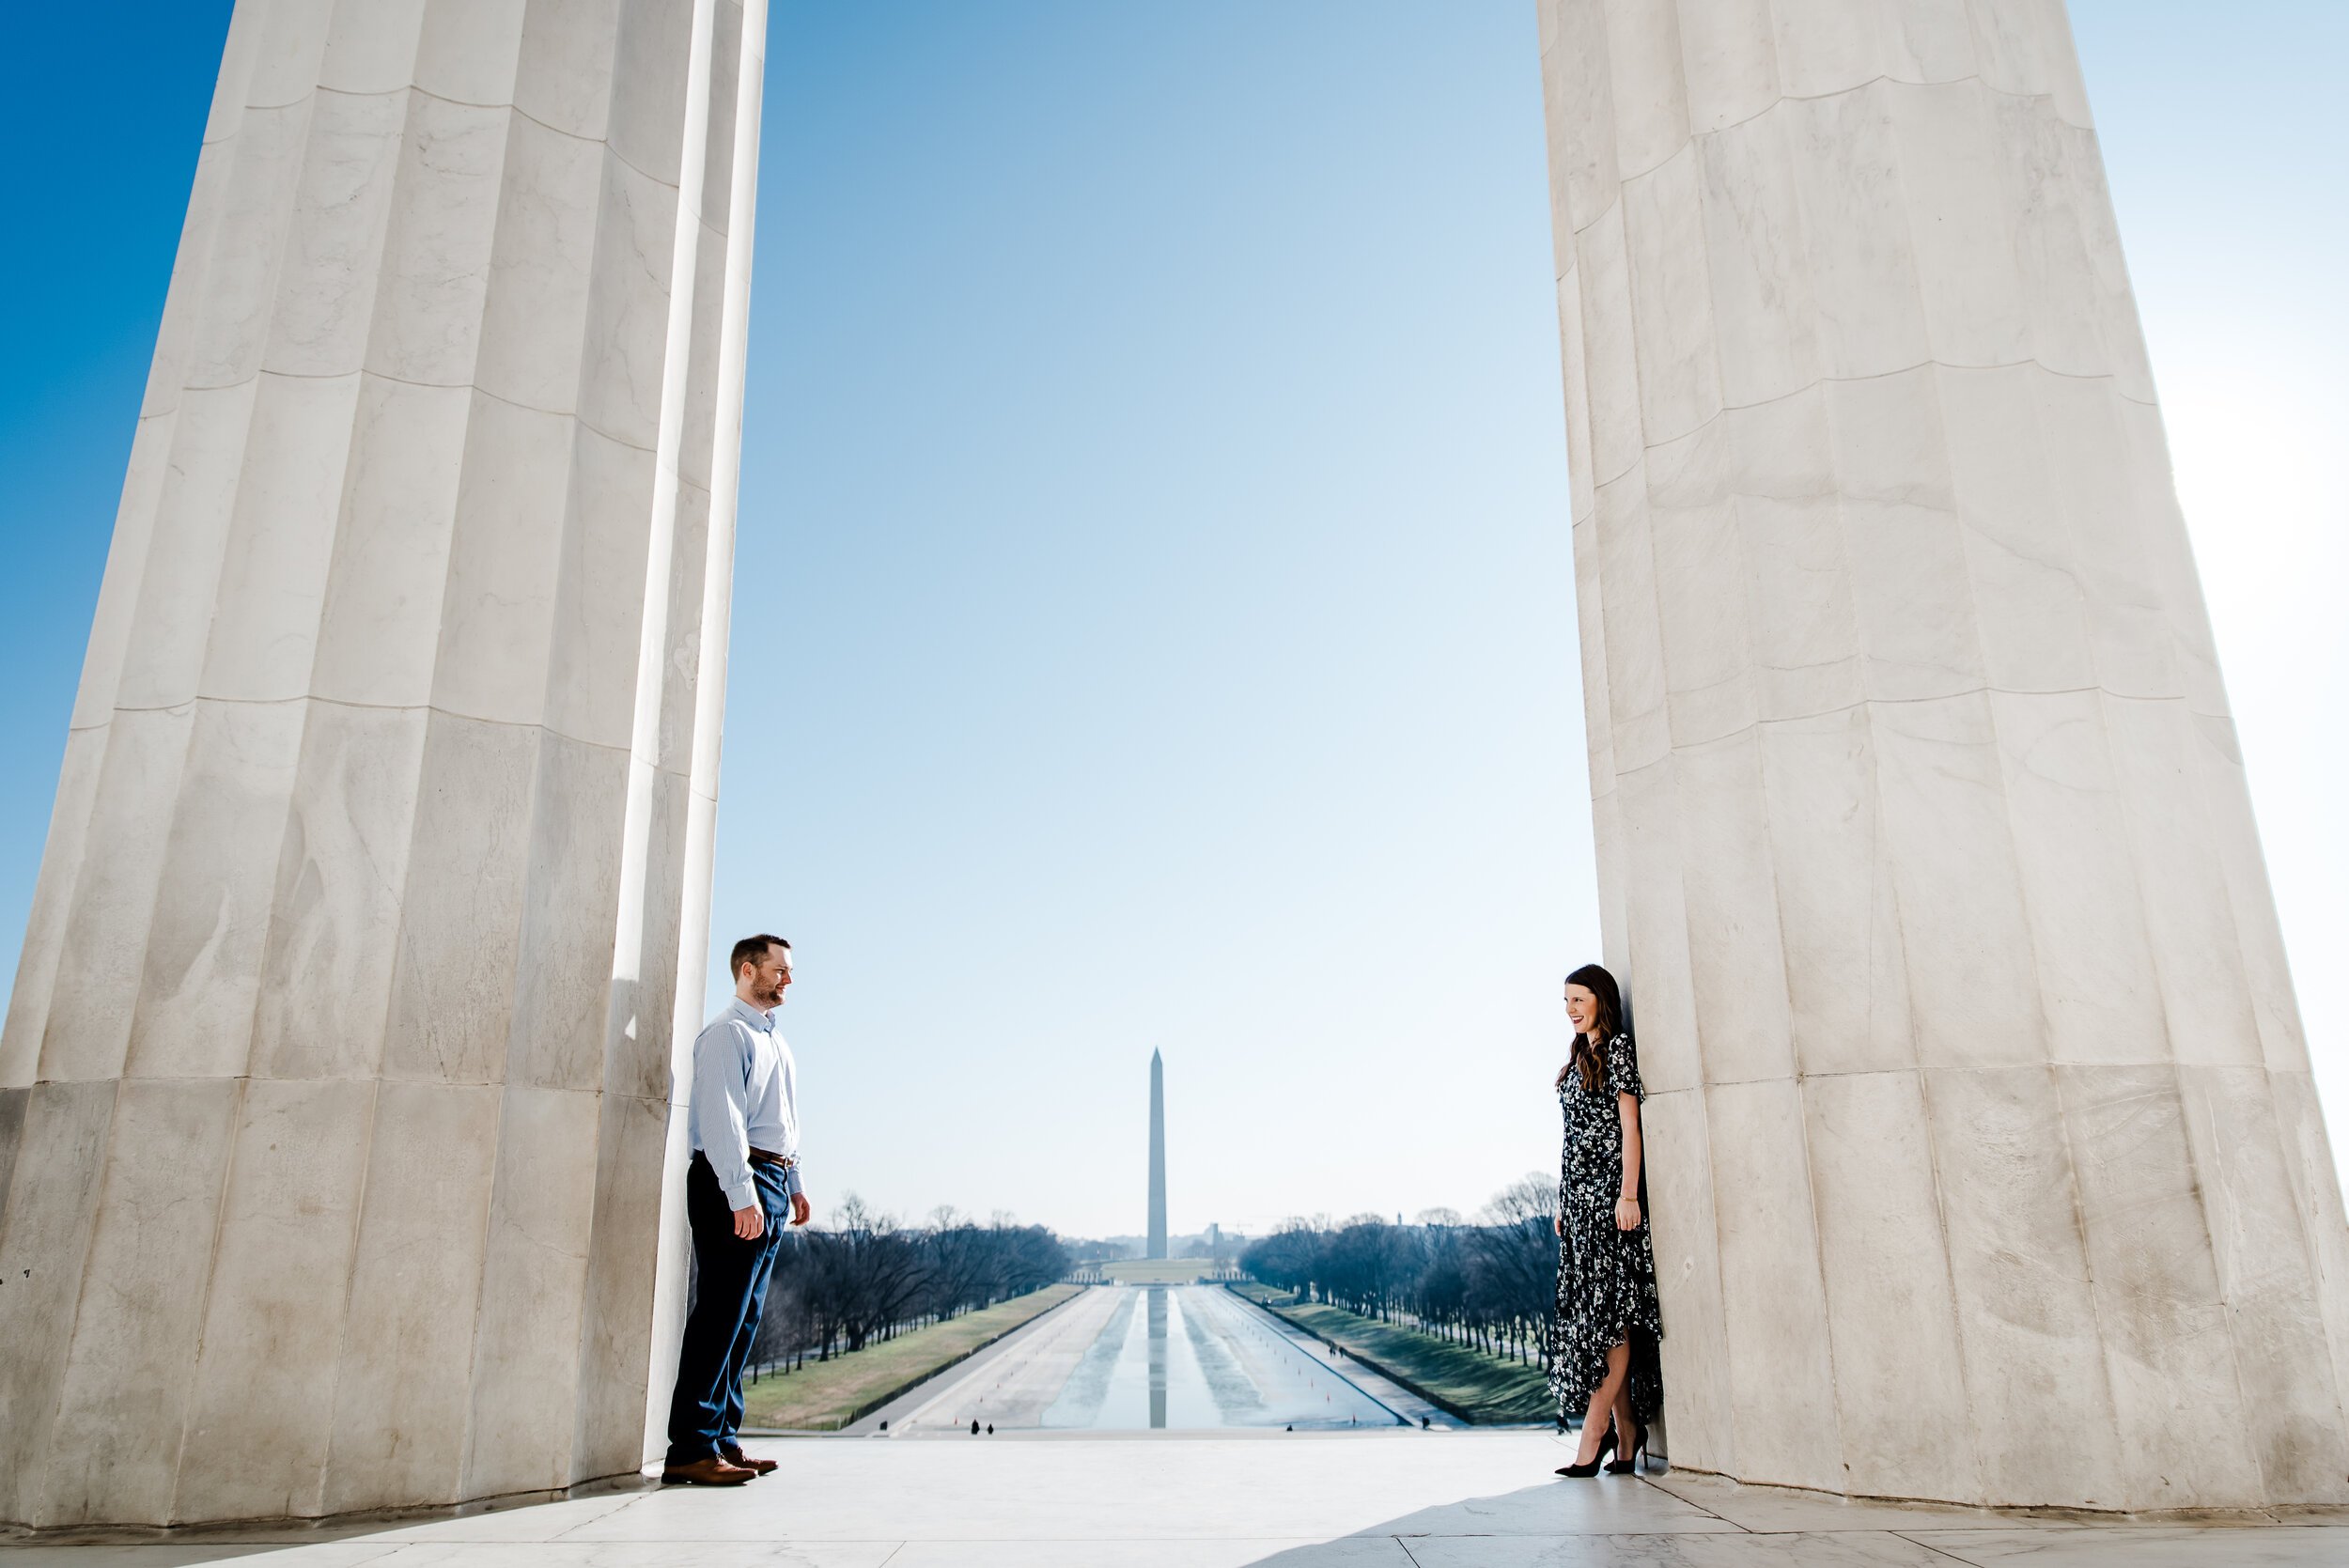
(1986, 1160)
(336, 1121)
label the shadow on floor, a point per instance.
(343, 1541)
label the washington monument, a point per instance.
(1158, 1158)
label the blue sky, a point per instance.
(1154, 617)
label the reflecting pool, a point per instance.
(1146, 1358)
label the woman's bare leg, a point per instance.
(1603, 1403)
(1626, 1422)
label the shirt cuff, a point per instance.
(742, 1196)
(791, 1182)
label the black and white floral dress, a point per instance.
(1606, 1277)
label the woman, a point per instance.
(1606, 1264)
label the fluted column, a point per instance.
(334, 1096)
(1985, 1159)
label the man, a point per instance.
(744, 1179)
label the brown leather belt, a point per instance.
(764, 1156)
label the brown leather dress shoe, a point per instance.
(713, 1471)
(733, 1454)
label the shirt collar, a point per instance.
(763, 1022)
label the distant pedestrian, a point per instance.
(740, 1189)
(1603, 1362)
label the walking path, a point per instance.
(1398, 1498)
(1387, 1391)
(1016, 1387)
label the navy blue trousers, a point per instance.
(730, 1278)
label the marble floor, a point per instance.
(1390, 1499)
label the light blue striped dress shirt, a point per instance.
(745, 1096)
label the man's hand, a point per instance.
(798, 1208)
(749, 1223)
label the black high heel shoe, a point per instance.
(1581, 1472)
(1631, 1461)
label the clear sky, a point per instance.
(1154, 624)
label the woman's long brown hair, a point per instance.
(1583, 1060)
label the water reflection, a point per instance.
(1158, 1356)
(1191, 1357)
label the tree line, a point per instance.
(1491, 1282)
(865, 1278)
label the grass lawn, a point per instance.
(1477, 1388)
(825, 1396)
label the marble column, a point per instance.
(335, 1123)
(1986, 1160)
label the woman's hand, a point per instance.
(1627, 1213)
(1558, 1223)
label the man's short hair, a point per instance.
(749, 950)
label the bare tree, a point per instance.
(1492, 1284)
(863, 1276)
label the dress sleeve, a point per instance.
(1623, 1067)
(1565, 1156)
